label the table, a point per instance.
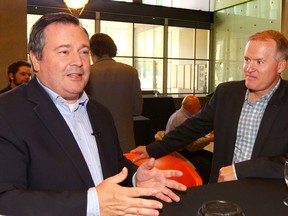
(256, 197)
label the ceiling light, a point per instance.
(76, 7)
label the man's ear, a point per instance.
(35, 61)
(11, 76)
(282, 65)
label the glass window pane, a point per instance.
(187, 76)
(180, 76)
(148, 40)
(122, 34)
(128, 61)
(124, 0)
(181, 42)
(204, 5)
(201, 77)
(202, 43)
(31, 19)
(89, 25)
(150, 73)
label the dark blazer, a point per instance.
(7, 88)
(42, 170)
(222, 114)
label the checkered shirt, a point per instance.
(250, 119)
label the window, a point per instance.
(88, 24)
(188, 60)
(142, 45)
(122, 34)
(205, 5)
(148, 47)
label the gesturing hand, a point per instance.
(150, 177)
(117, 200)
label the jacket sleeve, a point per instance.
(190, 130)
(268, 167)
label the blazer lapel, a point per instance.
(57, 127)
(268, 120)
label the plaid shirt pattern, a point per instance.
(250, 119)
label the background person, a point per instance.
(116, 86)
(194, 152)
(249, 117)
(68, 161)
(18, 72)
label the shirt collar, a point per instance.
(82, 101)
(267, 96)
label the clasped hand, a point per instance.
(150, 181)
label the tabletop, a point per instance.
(254, 196)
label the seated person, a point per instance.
(193, 152)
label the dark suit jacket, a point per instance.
(221, 114)
(42, 170)
(7, 88)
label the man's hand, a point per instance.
(227, 174)
(142, 151)
(117, 200)
(150, 177)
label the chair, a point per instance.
(190, 177)
(159, 136)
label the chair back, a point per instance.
(190, 177)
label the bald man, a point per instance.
(190, 106)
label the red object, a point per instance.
(190, 177)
